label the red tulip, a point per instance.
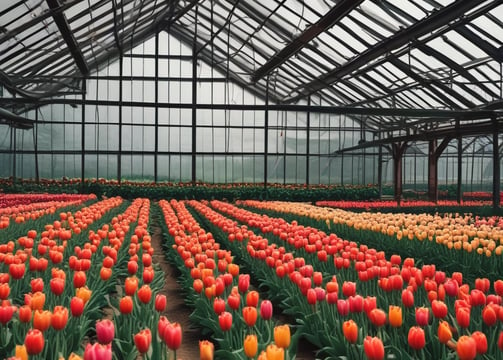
(311, 296)
(5, 291)
(463, 316)
(37, 284)
(416, 338)
(34, 342)
(451, 287)
(266, 309)
(6, 313)
(355, 303)
(466, 348)
(369, 304)
(59, 317)
(144, 294)
(98, 351)
(142, 340)
(234, 301)
(482, 284)
(377, 317)
(349, 288)
(25, 314)
(500, 341)
(79, 279)
(218, 305)
(160, 302)
(17, 270)
(132, 267)
(481, 341)
(76, 306)
(173, 336)
(342, 307)
(439, 309)
(130, 285)
(407, 298)
(105, 331)
(57, 286)
(317, 278)
(374, 348)
(478, 298)
(422, 316)
(148, 275)
(225, 321)
(198, 285)
(243, 282)
(489, 315)
(498, 287)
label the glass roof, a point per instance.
(405, 54)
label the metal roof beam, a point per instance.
(340, 10)
(71, 43)
(482, 128)
(401, 38)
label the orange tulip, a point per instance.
(37, 301)
(350, 331)
(250, 315)
(250, 345)
(42, 320)
(395, 316)
(130, 285)
(444, 332)
(275, 352)
(282, 336)
(206, 350)
(21, 352)
(84, 293)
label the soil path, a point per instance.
(177, 311)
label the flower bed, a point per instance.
(376, 306)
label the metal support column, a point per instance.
(379, 170)
(266, 130)
(35, 146)
(14, 151)
(496, 167)
(459, 192)
(432, 171)
(156, 109)
(121, 91)
(83, 127)
(194, 100)
(308, 134)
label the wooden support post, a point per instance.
(397, 152)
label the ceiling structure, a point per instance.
(376, 55)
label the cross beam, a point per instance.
(71, 42)
(340, 10)
(386, 46)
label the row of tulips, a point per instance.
(224, 303)
(32, 211)
(7, 200)
(391, 204)
(459, 302)
(43, 296)
(453, 242)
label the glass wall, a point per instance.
(138, 122)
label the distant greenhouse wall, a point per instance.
(136, 123)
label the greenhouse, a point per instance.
(251, 155)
